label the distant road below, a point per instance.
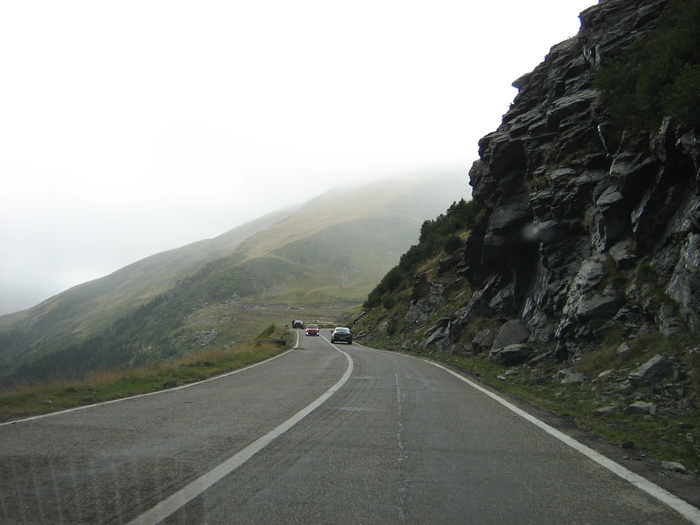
(322, 434)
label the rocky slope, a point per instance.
(589, 244)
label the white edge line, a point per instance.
(682, 507)
(183, 496)
(188, 385)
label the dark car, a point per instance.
(313, 329)
(341, 334)
(298, 324)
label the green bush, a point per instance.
(267, 332)
(683, 101)
(659, 75)
(694, 361)
(452, 243)
(435, 235)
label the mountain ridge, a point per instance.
(331, 250)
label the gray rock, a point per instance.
(609, 197)
(483, 340)
(624, 253)
(447, 263)
(434, 338)
(653, 371)
(607, 410)
(625, 386)
(416, 312)
(684, 285)
(604, 374)
(421, 286)
(623, 349)
(506, 219)
(584, 299)
(383, 327)
(590, 273)
(539, 358)
(438, 332)
(569, 376)
(572, 105)
(459, 350)
(668, 321)
(512, 354)
(512, 332)
(674, 466)
(432, 296)
(641, 407)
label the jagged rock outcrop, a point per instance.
(583, 233)
(653, 371)
(579, 279)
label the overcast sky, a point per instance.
(132, 127)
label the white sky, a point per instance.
(132, 127)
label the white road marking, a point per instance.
(188, 385)
(685, 509)
(173, 503)
(402, 452)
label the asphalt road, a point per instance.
(322, 434)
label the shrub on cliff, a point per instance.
(659, 76)
(435, 236)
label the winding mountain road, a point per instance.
(321, 434)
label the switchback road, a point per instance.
(322, 434)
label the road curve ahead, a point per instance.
(322, 434)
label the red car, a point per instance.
(312, 329)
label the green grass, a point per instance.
(659, 75)
(35, 399)
(233, 325)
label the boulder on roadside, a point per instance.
(623, 349)
(483, 340)
(513, 332)
(653, 371)
(438, 332)
(569, 376)
(641, 407)
(607, 410)
(674, 466)
(512, 354)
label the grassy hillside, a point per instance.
(318, 260)
(91, 307)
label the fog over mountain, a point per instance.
(323, 256)
(132, 128)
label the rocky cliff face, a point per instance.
(580, 279)
(584, 233)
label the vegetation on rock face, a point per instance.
(660, 75)
(441, 234)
